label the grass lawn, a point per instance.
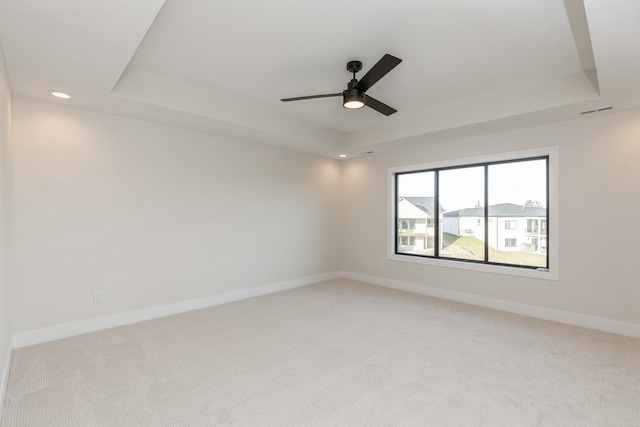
(476, 246)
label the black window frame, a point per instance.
(438, 223)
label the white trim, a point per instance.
(566, 317)
(486, 268)
(5, 379)
(51, 333)
(554, 230)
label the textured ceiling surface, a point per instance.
(223, 66)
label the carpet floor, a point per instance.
(339, 353)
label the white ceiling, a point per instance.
(222, 66)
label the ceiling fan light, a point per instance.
(353, 99)
(353, 105)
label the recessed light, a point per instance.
(59, 94)
(342, 155)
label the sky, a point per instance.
(464, 187)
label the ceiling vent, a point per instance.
(597, 110)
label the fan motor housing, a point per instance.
(354, 97)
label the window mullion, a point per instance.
(486, 213)
(436, 219)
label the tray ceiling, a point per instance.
(222, 66)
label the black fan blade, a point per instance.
(300, 98)
(382, 67)
(379, 106)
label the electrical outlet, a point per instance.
(98, 297)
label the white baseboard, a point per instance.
(4, 382)
(575, 319)
(52, 333)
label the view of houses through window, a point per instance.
(492, 213)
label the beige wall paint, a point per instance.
(599, 217)
(5, 220)
(153, 215)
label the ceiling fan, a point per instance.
(354, 96)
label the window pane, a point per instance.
(461, 194)
(415, 213)
(517, 206)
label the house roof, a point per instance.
(501, 210)
(423, 203)
(222, 67)
(466, 212)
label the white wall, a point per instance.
(152, 215)
(599, 191)
(5, 224)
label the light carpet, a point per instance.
(340, 353)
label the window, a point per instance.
(472, 208)
(419, 207)
(407, 224)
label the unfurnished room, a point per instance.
(289, 213)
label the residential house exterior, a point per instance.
(512, 227)
(416, 225)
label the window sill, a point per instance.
(543, 274)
